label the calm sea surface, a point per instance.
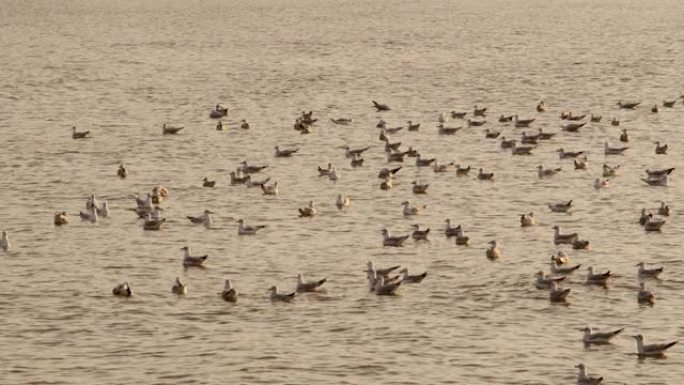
(122, 68)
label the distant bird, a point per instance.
(171, 130)
(5, 243)
(624, 137)
(420, 162)
(122, 290)
(385, 288)
(204, 219)
(598, 278)
(244, 125)
(654, 109)
(304, 286)
(418, 234)
(664, 209)
(485, 176)
(595, 118)
(458, 115)
(475, 123)
(549, 172)
(219, 126)
(342, 121)
(556, 294)
(208, 183)
(122, 172)
(592, 337)
(584, 379)
(522, 122)
(492, 134)
(561, 207)
(349, 153)
(342, 201)
(412, 210)
(544, 282)
(556, 269)
(653, 224)
(386, 184)
(527, 220)
(380, 107)
(443, 130)
(573, 127)
(61, 218)
(660, 149)
(229, 294)
(479, 111)
(644, 295)
(389, 240)
(601, 183)
(579, 244)
(609, 172)
(270, 190)
(568, 154)
(652, 350)
(541, 106)
(179, 287)
(280, 297)
(580, 164)
(507, 143)
(669, 103)
(308, 211)
(284, 153)
(245, 229)
(386, 172)
(79, 135)
(407, 278)
(493, 251)
(643, 272)
(545, 135)
(441, 167)
(463, 171)
(561, 258)
(412, 127)
(615, 122)
(419, 188)
(357, 161)
(573, 117)
(627, 105)
(246, 168)
(189, 260)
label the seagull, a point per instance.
(208, 183)
(461, 239)
(303, 286)
(152, 223)
(342, 201)
(370, 268)
(601, 183)
(648, 273)
(568, 154)
(442, 130)
(309, 211)
(458, 115)
(598, 279)
(556, 294)
(478, 111)
(412, 278)
(580, 164)
(244, 167)
(669, 103)
(613, 150)
(382, 288)
(122, 172)
(522, 122)
(244, 125)
(555, 269)
(386, 184)
(382, 125)
(624, 137)
(270, 190)
(595, 118)
(545, 135)
(389, 240)
(396, 156)
(386, 172)
(189, 260)
(627, 105)
(103, 212)
(549, 172)
(491, 134)
(573, 127)
(357, 161)
(238, 178)
(561, 207)
(475, 123)
(61, 219)
(89, 215)
(575, 117)
(280, 297)
(644, 295)
(381, 107)
(411, 152)
(541, 106)
(244, 229)
(462, 171)
(412, 127)
(219, 126)
(544, 282)
(171, 130)
(423, 162)
(450, 231)
(341, 121)
(591, 337)
(419, 188)
(412, 210)
(441, 167)
(179, 287)
(615, 122)
(560, 258)
(505, 119)
(528, 139)
(578, 244)
(229, 294)
(493, 251)
(652, 350)
(485, 176)
(285, 153)
(521, 150)
(527, 220)
(584, 379)
(349, 153)
(204, 219)
(559, 238)
(5, 243)
(653, 224)
(122, 290)
(644, 217)
(654, 109)
(659, 173)
(660, 149)
(507, 143)
(664, 209)
(610, 171)
(79, 135)
(418, 234)
(334, 174)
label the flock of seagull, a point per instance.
(387, 280)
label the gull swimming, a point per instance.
(103, 212)
(528, 139)
(386, 184)
(334, 174)
(475, 123)
(304, 286)
(254, 183)
(280, 297)
(380, 106)
(615, 122)
(643, 272)
(579, 244)
(505, 119)
(411, 210)
(284, 153)
(493, 251)
(396, 156)
(572, 117)
(356, 161)
(659, 172)
(660, 149)
(412, 127)
(491, 134)
(389, 240)
(122, 290)
(443, 130)
(349, 153)
(208, 183)
(657, 180)
(382, 288)
(521, 150)
(479, 111)
(389, 147)
(171, 130)
(204, 219)
(61, 219)
(229, 294)
(79, 135)
(573, 127)
(189, 260)
(485, 176)
(418, 234)
(555, 269)
(610, 171)
(370, 268)
(561, 207)
(417, 278)
(386, 172)
(595, 118)
(420, 162)
(244, 125)
(544, 282)
(541, 106)
(562, 154)
(644, 295)
(669, 103)
(441, 167)
(653, 224)
(238, 177)
(559, 238)
(652, 350)
(664, 209)
(5, 243)
(654, 109)
(89, 215)
(246, 168)
(624, 137)
(458, 115)
(556, 294)
(592, 337)
(419, 188)
(179, 287)
(584, 379)
(545, 135)
(510, 143)
(462, 171)
(245, 229)
(549, 172)
(561, 258)
(527, 220)
(341, 121)
(308, 211)
(608, 150)
(270, 190)
(598, 278)
(122, 172)
(601, 183)
(342, 201)
(522, 122)
(152, 223)
(627, 105)
(580, 164)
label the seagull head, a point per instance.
(638, 337)
(580, 366)
(273, 289)
(208, 212)
(186, 248)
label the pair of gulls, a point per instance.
(331, 172)
(303, 286)
(380, 282)
(570, 238)
(94, 211)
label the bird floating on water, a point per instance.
(644, 295)
(275, 296)
(544, 282)
(651, 350)
(493, 251)
(79, 134)
(171, 130)
(419, 188)
(583, 377)
(122, 290)
(380, 106)
(643, 272)
(311, 286)
(412, 210)
(245, 229)
(189, 260)
(204, 219)
(308, 211)
(592, 337)
(229, 294)
(179, 287)
(598, 278)
(122, 172)
(556, 294)
(396, 241)
(527, 220)
(418, 234)
(5, 243)
(342, 201)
